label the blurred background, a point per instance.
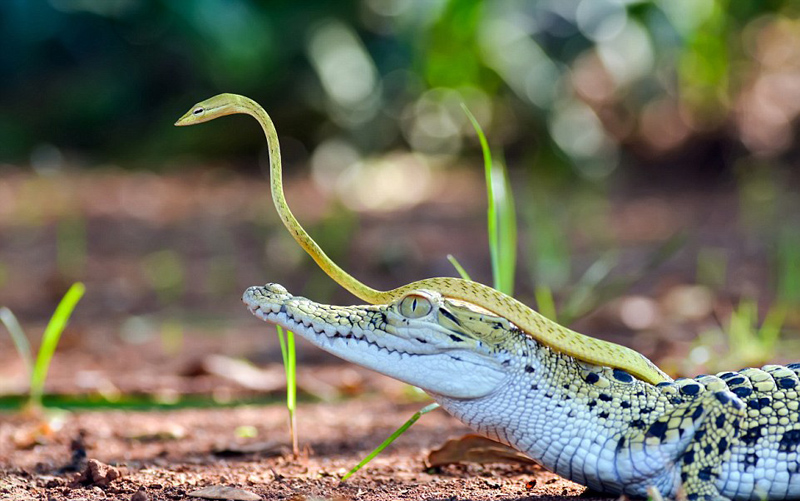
(652, 148)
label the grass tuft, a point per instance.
(37, 371)
(289, 355)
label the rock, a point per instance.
(140, 495)
(225, 493)
(96, 473)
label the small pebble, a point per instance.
(140, 495)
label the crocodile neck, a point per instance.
(570, 417)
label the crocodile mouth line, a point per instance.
(327, 336)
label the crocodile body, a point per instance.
(730, 436)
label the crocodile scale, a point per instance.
(734, 435)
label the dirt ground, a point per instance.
(168, 455)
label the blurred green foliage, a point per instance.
(589, 84)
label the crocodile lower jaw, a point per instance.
(451, 373)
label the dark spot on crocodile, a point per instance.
(735, 424)
(699, 435)
(685, 477)
(592, 377)
(605, 397)
(622, 376)
(592, 403)
(566, 386)
(723, 445)
(688, 457)
(639, 424)
(449, 316)
(736, 381)
(571, 413)
(529, 369)
(724, 397)
(728, 375)
(421, 340)
(646, 410)
(603, 415)
(706, 474)
(621, 444)
(693, 496)
(663, 384)
(639, 393)
(707, 449)
(789, 441)
(691, 389)
(534, 387)
(548, 395)
(697, 413)
(456, 338)
(742, 391)
(676, 400)
(795, 366)
(506, 362)
(754, 404)
(720, 421)
(658, 430)
(787, 383)
(765, 402)
(566, 396)
(751, 436)
(750, 460)
(625, 404)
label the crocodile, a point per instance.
(733, 435)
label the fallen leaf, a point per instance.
(475, 449)
(226, 493)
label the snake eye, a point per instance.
(197, 111)
(415, 306)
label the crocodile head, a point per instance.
(446, 347)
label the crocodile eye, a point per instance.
(414, 306)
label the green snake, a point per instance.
(582, 347)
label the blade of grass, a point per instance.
(50, 338)
(545, 302)
(771, 327)
(506, 229)
(460, 269)
(20, 339)
(491, 222)
(288, 354)
(391, 439)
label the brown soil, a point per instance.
(170, 454)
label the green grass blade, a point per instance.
(288, 353)
(20, 339)
(771, 328)
(506, 229)
(52, 334)
(391, 439)
(491, 222)
(545, 302)
(460, 269)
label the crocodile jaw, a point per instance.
(431, 363)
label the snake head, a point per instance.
(213, 107)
